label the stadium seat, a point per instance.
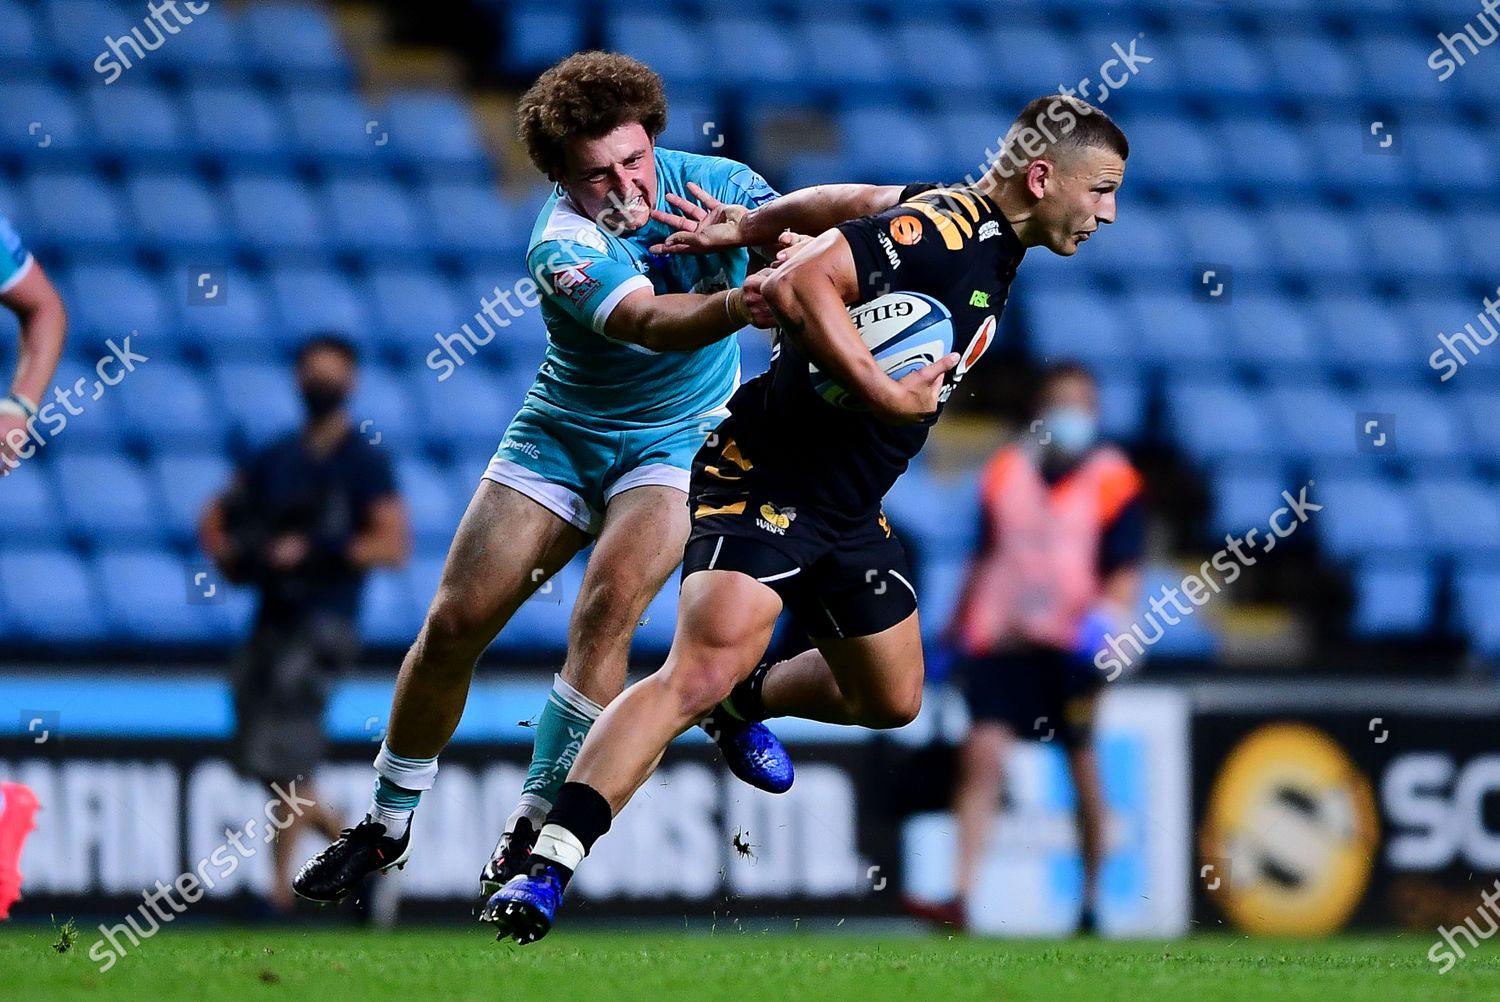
(936, 515)
(1266, 152)
(540, 625)
(111, 301)
(1311, 64)
(890, 144)
(1173, 329)
(429, 495)
(1215, 235)
(1214, 420)
(169, 407)
(294, 41)
(146, 599)
(1312, 421)
(1423, 248)
(538, 35)
(939, 587)
(1244, 495)
(31, 501)
(1269, 331)
(318, 300)
(107, 497)
(42, 123)
(654, 38)
(749, 52)
(236, 325)
(1477, 601)
(72, 209)
(217, 50)
(845, 53)
(1071, 322)
(1213, 61)
(412, 305)
(383, 399)
(1365, 516)
(178, 212)
(238, 125)
(1356, 331)
(260, 400)
(1393, 599)
(1461, 516)
(139, 120)
(1314, 240)
(1395, 69)
(277, 213)
(1427, 429)
(376, 218)
(1038, 60)
(336, 126)
(471, 217)
(389, 614)
(1449, 155)
(186, 482)
(964, 66)
(467, 407)
(434, 133)
(50, 596)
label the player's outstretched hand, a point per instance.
(701, 229)
(755, 301)
(916, 396)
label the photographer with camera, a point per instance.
(304, 520)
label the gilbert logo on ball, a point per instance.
(905, 331)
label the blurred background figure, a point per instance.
(304, 520)
(18, 808)
(1062, 539)
(29, 294)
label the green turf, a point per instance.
(224, 965)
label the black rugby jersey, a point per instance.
(952, 244)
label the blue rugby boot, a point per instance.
(752, 752)
(523, 909)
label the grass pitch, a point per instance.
(229, 964)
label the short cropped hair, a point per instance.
(1059, 122)
(588, 94)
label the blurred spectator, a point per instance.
(29, 294)
(306, 517)
(1058, 568)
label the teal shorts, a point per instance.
(574, 468)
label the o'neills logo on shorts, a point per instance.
(525, 448)
(776, 521)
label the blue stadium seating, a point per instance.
(277, 213)
(146, 599)
(51, 596)
(140, 120)
(179, 213)
(238, 124)
(1393, 599)
(186, 482)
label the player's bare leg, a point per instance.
(1088, 792)
(724, 623)
(640, 543)
(506, 547)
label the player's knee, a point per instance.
(698, 686)
(452, 624)
(894, 708)
(606, 603)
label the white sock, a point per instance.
(396, 819)
(559, 845)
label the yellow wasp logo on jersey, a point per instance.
(775, 520)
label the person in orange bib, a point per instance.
(1063, 538)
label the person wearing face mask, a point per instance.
(1058, 568)
(305, 519)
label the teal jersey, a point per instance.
(583, 272)
(15, 259)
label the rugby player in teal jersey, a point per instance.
(640, 364)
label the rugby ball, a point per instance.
(903, 330)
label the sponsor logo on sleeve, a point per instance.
(988, 229)
(906, 230)
(574, 283)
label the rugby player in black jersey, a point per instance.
(786, 494)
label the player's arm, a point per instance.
(808, 295)
(44, 323)
(386, 539)
(715, 225)
(679, 321)
(43, 327)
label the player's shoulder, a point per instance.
(724, 177)
(561, 224)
